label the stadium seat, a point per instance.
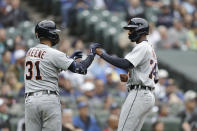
(90, 23)
(56, 4)
(171, 123)
(81, 17)
(99, 30)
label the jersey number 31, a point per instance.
(30, 65)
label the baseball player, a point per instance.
(42, 65)
(141, 64)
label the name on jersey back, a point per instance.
(36, 53)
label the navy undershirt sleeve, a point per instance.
(81, 67)
(118, 62)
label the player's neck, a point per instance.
(142, 38)
(46, 42)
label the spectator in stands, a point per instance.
(116, 5)
(78, 44)
(107, 102)
(16, 15)
(88, 90)
(173, 94)
(179, 33)
(99, 4)
(3, 11)
(98, 69)
(67, 121)
(115, 109)
(100, 91)
(18, 68)
(84, 120)
(154, 36)
(164, 42)
(4, 117)
(158, 126)
(192, 36)
(110, 83)
(121, 90)
(12, 81)
(190, 106)
(189, 5)
(135, 9)
(175, 9)
(66, 6)
(163, 111)
(112, 123)
(195, 16)
(19, 43)
(155, 3)
(188, 21)
(83, 5)
(65, 46)
(160, 90)
(67, 88)
(165, 17)
(5, 90)
(2, 40)
(6, 59)
(193, 122)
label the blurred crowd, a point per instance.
(93, 102)
(177, 18)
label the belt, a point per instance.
(41, 93)
(140, 87)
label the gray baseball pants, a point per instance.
(135, 109)
(43, 113)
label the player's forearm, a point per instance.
(88, 61)
(116, 61)
(81, 67)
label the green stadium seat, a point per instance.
(81, 17)
(99, 30)
(56, 4)
(90, 23)
(12, 32)
(172, 123)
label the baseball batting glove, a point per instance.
(76, 55)
(93, 47)
(123, 77)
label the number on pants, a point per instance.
(30, 70)
(154, 70)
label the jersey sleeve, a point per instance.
(61, 60)
(137, 55)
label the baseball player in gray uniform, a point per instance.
(141, 64)
(42, 66)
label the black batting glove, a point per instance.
(76, 55)
(93, 47)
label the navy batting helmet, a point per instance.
(47, 29)
(138, 26)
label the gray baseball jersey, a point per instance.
(139, 102)
(145, 69)
(42, 66)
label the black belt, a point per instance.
(41, 93)
(140, 87)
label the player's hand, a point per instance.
(124, 77)
(93, 47)
(99, 51)
(76, 55)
